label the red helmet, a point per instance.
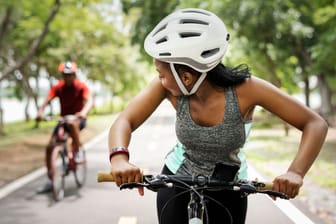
(67, 67)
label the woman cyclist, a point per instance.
(214, 110)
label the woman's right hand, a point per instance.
(125, 172)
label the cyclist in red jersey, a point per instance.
(75, 99)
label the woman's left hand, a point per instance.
(288, 183)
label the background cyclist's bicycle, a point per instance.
(63, 160)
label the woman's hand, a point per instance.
(125, 172)
(288, 183)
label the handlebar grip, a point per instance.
(104, 177)
(107, 177)
(268, 186)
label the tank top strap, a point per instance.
(232, 108)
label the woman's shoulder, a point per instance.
(256, 89)
(254, 83)
(155, 89)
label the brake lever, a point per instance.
(150, 183)
(132, 185)
(275, 194)
(250, 189)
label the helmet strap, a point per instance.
(180, 84)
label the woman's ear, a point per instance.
(187, 78)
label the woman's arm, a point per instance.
(138, 110)
(313, 127)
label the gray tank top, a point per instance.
(206, 146)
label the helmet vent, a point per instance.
(193, 21)
(165, 54)
(196, 11)
(68, 65)
(160, 29)
(209, 53)
(189, 34)
(162, 40)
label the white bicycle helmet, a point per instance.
(67, 67)
(193, 37)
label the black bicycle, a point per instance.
(196, 185)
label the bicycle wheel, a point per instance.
(80, 170)
(195, 221)
(58, 166)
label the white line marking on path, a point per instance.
(18, 183)
(9, 188)
(127, 220)
(285, 206)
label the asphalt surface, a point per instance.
(105, 203)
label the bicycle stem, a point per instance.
(196, 207)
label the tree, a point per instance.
(293, 31)
(147, 13)
(10, 61)
(34, 39)
(324, 57)
(9, 67)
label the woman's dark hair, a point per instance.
(221, 75)
(227, 76)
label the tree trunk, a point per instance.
(29, 92)
(306, 90)
(326, 109)
(2, 129)
(5, 24)
(27, 115)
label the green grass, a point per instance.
(18, 129)
(272, 152)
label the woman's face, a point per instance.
(166, 77)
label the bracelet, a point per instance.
(118, 150)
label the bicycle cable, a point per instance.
(189, 188)
(169, 201)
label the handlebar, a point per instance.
(104, 177)
(69, 117)
(153, 183)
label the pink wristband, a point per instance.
(118, 150)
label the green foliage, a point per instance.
(27, 23)
(323, 53)
(148, 14)
(87, 32)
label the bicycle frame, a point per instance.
(196, 207)
(62, 162)
(60, 146)
(67, 155)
